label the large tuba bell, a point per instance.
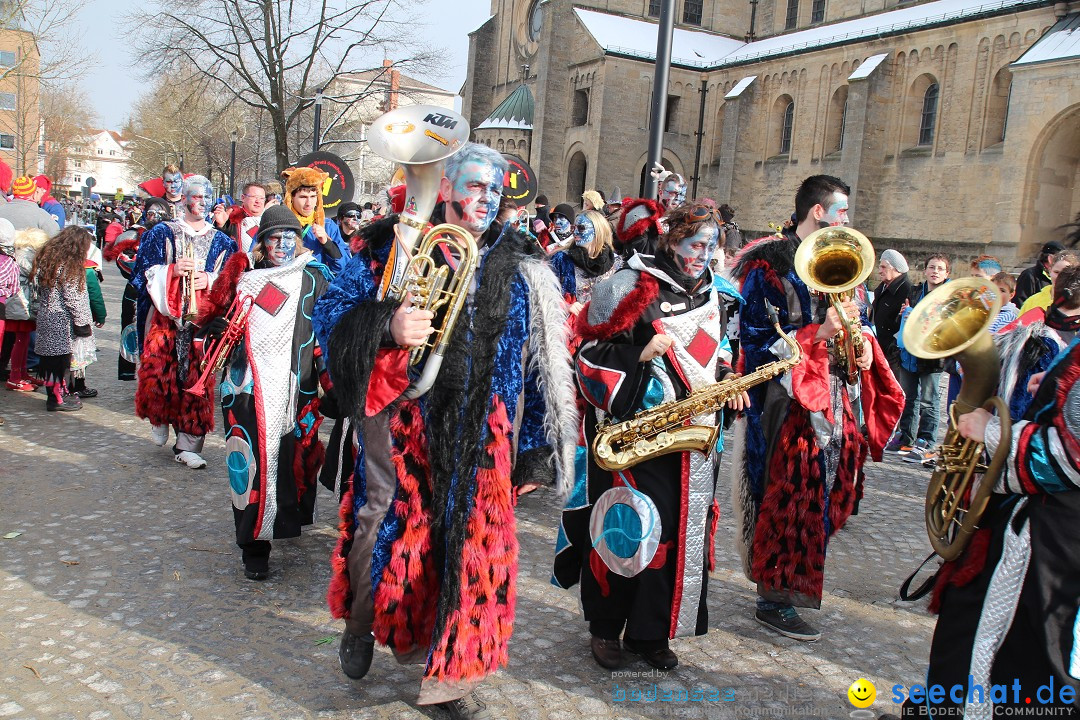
(834, 261)
(954, 319)
(420, 138)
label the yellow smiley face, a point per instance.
(862, 693)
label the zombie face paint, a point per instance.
(173, 183)
(562, 226)
(584, 231)
(694, 253)
(474, 197)
(281, 247)
(837, 211)
(673, 193)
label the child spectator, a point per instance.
(1006, 285)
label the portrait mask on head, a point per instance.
(693, 254)
(475, 194)
(173, 182)
(673, 191)
(281, 247)
(584, 231)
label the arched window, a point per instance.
(928, 119)
(834, 130)
(997, 108)
(785, 128)
(579, 112)
(575, 176)
(500, 146)
(511, 146)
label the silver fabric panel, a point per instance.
(269, 341)
(695, 526)
(648, 516)
(1002, 597)
(607, 295)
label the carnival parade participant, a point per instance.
(270, 390)
(177, 263)
(588, 261)
(639, 224)
(653, 334)
(559, 233)
(802, 449)
(428, 555)
(303, 195)
(1007, 605)
(20, 311)
(241, 222)
(123, 252)
(670, 187)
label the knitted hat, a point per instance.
(347, 207)
(565, 210)
(298, 177)
(23, 187)
(43, 182)
(277, 218)
(5, 176)
(894, 258)
(541, 200)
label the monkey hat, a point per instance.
(298, 177)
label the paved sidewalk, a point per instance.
(124, 597)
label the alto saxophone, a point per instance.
(668, 427)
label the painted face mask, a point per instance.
(195, 200)
(562, 226)
(673, 193)
(153, 217)
(584, 231)
(475, 195)
(281, 247)
(694, 253)
(836, 213)
(173, 183)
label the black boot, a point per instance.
(355, 653)
(78, 387)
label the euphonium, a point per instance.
(420, 138)
(669, 428)
(187, 288)
(835, 261)
(218, 351)
(955, 319)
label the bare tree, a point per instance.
(66, 116)
(274, 55)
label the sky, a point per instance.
(114, 82)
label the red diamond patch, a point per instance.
(702, 347)
(271, 298)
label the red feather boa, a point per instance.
(626, 314)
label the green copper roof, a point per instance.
(515, 112)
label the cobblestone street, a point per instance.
(123, 596)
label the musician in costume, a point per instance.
(639, 540)
(177, 262)
(427, 560)
(270, 390)
(123, 252)
(303, 195)
(799, 473)
(1007, 607)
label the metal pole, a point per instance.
(181, 163)
(660, 87)
(318, 121)
(751, 36)
(232, 167)
(704, 90)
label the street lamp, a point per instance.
(318, 119)
(232, 165)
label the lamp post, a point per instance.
(232, 165)
(318, 120)
(660, 90)
(700, 132)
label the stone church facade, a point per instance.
(956, 122)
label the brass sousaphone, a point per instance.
(954, 320)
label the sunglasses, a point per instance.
(352, 215)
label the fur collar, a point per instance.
(777, 253)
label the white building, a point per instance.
(104, 156)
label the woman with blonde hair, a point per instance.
(588, 260)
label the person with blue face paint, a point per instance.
(499, 421)
(174, 253)
(805, 441)
(639, 541)
(558, 234)
(270, 391)
(587, 261)
(173, 182)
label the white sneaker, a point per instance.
(192, 460)
(159, 434)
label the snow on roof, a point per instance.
(868, 67)
(1060, 42)
(637, 38)
(740, 86)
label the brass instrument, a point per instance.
(835, 261)
(189, 300)
(954, 319)
(218, 351)
(669, 428)
(420, 138)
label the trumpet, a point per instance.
(835, 261)
(190, 301)
(218, 351)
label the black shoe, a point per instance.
(607, 653)
(86, 393)
(788, 623)
(69, 405)
(469, 707)
(355, 653)
(256, 574)
(661, 659)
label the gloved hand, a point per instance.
(216, 327)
